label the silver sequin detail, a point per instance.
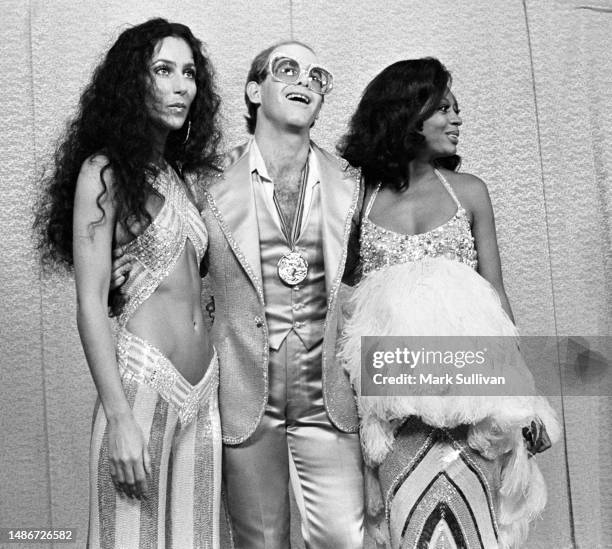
(189, 408)
(232, 242)
(331, 304)
(382, 247)
(157, 249)
(259, 290)
(143, 363)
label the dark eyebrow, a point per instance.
(189, 64)
(166, 61)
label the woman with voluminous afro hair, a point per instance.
(384, 133)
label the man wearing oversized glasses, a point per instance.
(279, 221)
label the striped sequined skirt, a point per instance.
(180, 423)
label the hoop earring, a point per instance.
(188, 132)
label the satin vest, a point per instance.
(301, 308)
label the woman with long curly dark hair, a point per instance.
(147, 118)
(447, 461)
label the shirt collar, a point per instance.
(257, 164)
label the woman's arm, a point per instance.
(92, 244)
(489, 267)
(485, 236)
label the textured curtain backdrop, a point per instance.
(533, 79)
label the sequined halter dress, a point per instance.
(434, 454)
(382, 247)
(179, 421)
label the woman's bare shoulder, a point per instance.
(93, 168)
(470, 190)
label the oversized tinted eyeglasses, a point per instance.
(286, 69)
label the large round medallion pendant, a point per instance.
(292, 268)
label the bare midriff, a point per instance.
(171, 319)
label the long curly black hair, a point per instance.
(383, 135)
(113, 120)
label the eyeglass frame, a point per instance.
(279, 55)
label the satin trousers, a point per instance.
(295, 442)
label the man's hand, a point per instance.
(122, 265)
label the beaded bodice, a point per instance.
(382, 247)
(157, 249)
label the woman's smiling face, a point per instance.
(441, 129)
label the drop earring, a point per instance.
(188, 132)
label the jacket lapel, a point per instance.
(339, 194)
(233, 204)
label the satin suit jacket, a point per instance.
(239, 331)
